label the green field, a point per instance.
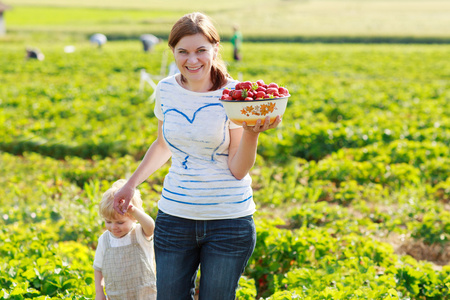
(352, 190)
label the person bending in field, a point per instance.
(124, 260)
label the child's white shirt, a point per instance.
(146, 245)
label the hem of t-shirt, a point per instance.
(138, 228)
(203, 218)
(97, 268)
(149, 239)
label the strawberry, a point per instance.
(272, 90)
(248, 99)
(260, 94)
(247, 85)
(226, 92)
(260, 82)
(273, 85)
(283, 91)
(237, 95)
(261, 89)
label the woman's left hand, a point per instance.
(262, 127)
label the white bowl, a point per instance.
(239, 111)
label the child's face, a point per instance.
(120, 225)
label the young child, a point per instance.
(124, 259)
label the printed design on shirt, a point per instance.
(191, 121)
(195, 113)
(184, 163)
(204, 203)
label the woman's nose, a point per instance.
(192, 58)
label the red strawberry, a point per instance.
(273, 85)
(260, 94)
(272, 90)
(247, 85)
(261, 88)
(226, 92)
(260, 82)
(237, 95)
(248, 99)
(283, 91)
(238, 86)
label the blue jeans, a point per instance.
(221, 248)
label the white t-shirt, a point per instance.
(146, 244)
(199, 184)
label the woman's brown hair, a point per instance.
(195, 23)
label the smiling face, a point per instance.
(194, 56)
(120, 225)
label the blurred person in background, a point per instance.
(34, 53)
(205, 217)
(236, 41)
(148, 42)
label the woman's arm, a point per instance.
(99, 284)
(157, 155)
(243, 146)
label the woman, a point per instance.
(206, 206)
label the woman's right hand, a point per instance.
(257, 128)
(122, 198)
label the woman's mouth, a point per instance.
(193, 69)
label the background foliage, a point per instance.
(259, 20)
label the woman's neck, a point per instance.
(195, 86)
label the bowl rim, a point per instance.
(259, 100)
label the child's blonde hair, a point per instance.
(106, 205)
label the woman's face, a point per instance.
(120, 225)
(194, 56)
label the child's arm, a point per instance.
(99, 292)
(147, 223)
